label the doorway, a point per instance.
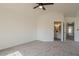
(70, 31)
(57, 30)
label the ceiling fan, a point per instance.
(41, 5)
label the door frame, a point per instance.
(62, 30)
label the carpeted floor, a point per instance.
(39, 48)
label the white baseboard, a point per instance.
(46, 40)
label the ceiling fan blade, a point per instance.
(48, 3)
(36, 7)
(44, 8)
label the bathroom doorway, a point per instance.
(57, 30)
(70, 31)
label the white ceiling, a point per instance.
(68, 9)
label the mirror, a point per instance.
(57, 26)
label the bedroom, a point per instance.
(26, 30)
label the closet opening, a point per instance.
(70, 31)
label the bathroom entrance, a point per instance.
(57, 30)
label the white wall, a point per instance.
(77, 29)
(45, 30)
(70, 19)
(17, 25)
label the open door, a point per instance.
(57, 30)
(70, 31)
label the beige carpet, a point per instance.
(17, 53)
(39, 48)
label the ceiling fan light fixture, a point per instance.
(40, 7)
